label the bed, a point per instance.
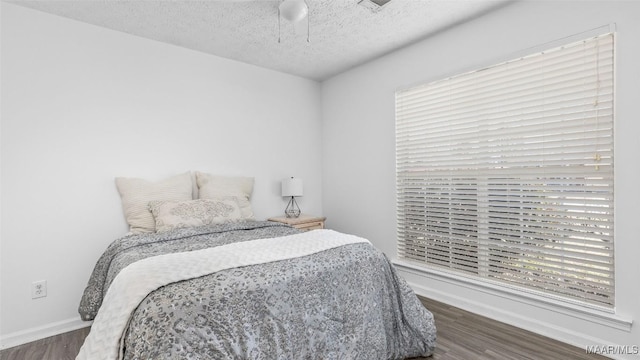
(247, 289)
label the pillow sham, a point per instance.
(137, 193)
(213, 187)
(171, 215)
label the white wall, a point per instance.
(82, 105)
(359, 149)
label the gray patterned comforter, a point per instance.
(342, 303)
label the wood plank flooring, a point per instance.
(466, 336)
(461, 336)
(60, 347)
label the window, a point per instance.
(505, 174)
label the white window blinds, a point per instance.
(506, 173)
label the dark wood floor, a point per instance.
(60, 347)
(466, 336)
(461, 336)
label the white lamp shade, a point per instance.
(293, 10)
(292, 187)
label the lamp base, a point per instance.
(292, 210)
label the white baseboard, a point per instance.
(25, 336)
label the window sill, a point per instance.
(602, 316)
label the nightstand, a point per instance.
(302, 222)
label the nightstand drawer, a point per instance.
(303, 222)
(310, 226)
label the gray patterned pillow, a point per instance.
(171, 215)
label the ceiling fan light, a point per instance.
(293, 10)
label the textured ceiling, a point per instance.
(343, 34)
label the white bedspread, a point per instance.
(137, 280)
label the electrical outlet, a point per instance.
(38, 289)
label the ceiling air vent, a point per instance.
(374, 5)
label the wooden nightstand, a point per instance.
(302, 222)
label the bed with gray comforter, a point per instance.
(342, 303)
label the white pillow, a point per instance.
(171, 215)
(137, 193)
(215, 187)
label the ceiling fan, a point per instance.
(293, 11)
